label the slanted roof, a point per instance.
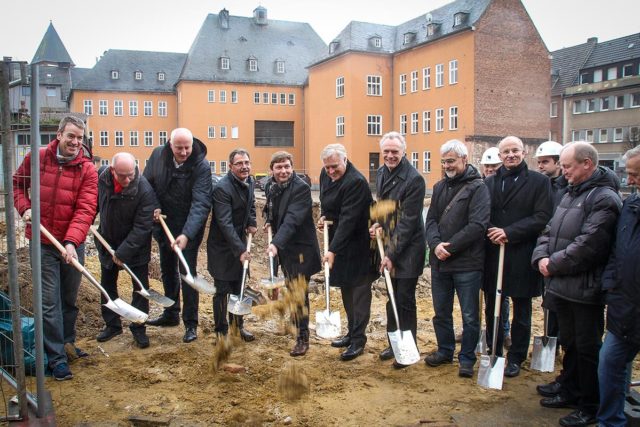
(613, 51)
(127, 62)
(295, 43)
(566, 64)
(52, 49)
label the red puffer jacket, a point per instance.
(68, 193)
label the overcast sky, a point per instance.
(89, 27)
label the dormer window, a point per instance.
(138, 75)
(460, 18)
(409, 37)
(333, 46)
(433, 29)
(375, 42)
(161, 76)
(280, 66)
(115, 74)
(253, 64)
(224, 63)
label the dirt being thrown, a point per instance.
(293, 383)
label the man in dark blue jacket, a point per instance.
(621, 282)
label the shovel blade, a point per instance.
(328, 324)
(199, 284)
(481, 347)
(543, 358)
(155, 296)
(127, 311)
(278, 282)
(404, 347)
(491, 372)
(239, 307)
(256, 296)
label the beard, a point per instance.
(450, 174)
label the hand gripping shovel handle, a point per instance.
(176, 249)
(498, 303)
(387, 278)
(325, 232)
(245, 267)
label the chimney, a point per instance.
(223, 18)
(593, 40)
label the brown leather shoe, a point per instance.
(301, 347)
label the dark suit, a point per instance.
(404, 238)
(233, 211)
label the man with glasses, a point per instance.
(520, 208)
(233, 219)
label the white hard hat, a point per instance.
(490, 157)
(548, 148)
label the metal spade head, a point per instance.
(157, 297)
(544, 353)
(126, 310)
(404, 347)
(491, 372)
(199, 283)
(328, 324)
(239, 306)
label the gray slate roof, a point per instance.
(295, 43)
(566, 64)
(51, 48)
(616, 50)
(355, 37)
(127, 62)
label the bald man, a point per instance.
(125, 202)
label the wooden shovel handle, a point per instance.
(245, 265)
(166, 230)
(102, 240)
(61, 248)
(325, 232)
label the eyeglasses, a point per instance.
(448, 161)
(242, 163)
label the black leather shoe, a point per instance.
(578, 418)
(399, 365)
(386, 354)
(107, 333)
(352, 352)
(140, 338)
(557, 401)
(301, 347)
(465, 371)
(549, 390)
(163, 321)
(341, 342)
(190, 334)
(512, 370)
(246, 335)
(436, 359)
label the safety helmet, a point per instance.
(548, 148)
(490, 157)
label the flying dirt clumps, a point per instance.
(293, 383)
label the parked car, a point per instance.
(215, 178)
(261, 182)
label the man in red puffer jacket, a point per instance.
(68, 200)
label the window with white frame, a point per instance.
(439, 119)
(414, 81)
(426, 161)
(212, 166)
(133, 108)
(118, 107)
(415, 159)
(292, 99)
(426, 78)
(148, 108)
(223, 167)
(88, 107)
(553, 109)
(617, 134)
(234, 132)
(575, 135)
(426, 121)
(439, 75)
(119, 138)
(283, 98)
(453, 71)
(223, 131)
(374, 85)
(584, 78)
(161, 76)
(162, 108)
(256, 97)
(414, 123)
(619, 102)
(403, 124)
(104, 162)
(222, 96)
(274, 98)
(577, 106)
(604, 135)
(597, 76)
(374, 125)
(234, 96)
(377, 42)
(103, 107)
(162, 137)
(604, 103)
(138, 75)
(133, 138)
(211, 95)
(340, 126)
(265, 97)
(104, 138)
(589, 135)
(279, 67)
(253, 65)
(612, 73)
(224, 63)
(339, 87)
(635, 100)
(115, 74)
(453, 118)
(403, 84)
(148, 138)
(591, 105)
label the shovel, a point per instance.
(491, 371)
(544, 350)
(273, 282)
(117, 306)
(327, 322)
(197, 283)
(150, 294)
(481, 347)
(404, 347)
(240, 304)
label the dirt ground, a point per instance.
(173, 383)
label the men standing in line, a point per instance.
(621, 283)
(181, 178)
(289, 213)
(520, 209)
(571, 255)
(126, 202)
(345, 199)
(405, 247)
(455, 226)
(68, 200)
(233, 218)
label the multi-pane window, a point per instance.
(212, 166)
(374, 85)
(414, 81)
(415, 159)
(414, 122)
(223, 131)
(635, 100)
(224, 63)
(104, 162)
(118, 107)
(553, 109)
(426, 78)
(403, 124)
(253, 65)
(148, 138)
(103, 108)
(577, 107)
(234, 96)
(627, 70)
(223, 96)
(612, 73)
(426, 161)
(162, 108)
(374, 125)
(575, 135)
(161, 76)
(589, 135)
(604, 135)
(88, 107)
(138, 75)
(619, 102)
(211, 95)
(453, 118)
(339, 87)
(104, 138)
(453, 71)
(439, 120)
(265, 97)
(403, 84)
(439, 75)
(591, 105)
(148, 108)
(283, 98)
(292, 99)
(617, 134)
(279, 67)
(426, 121)
(274, 98)
(211, 133)
(162, 137)
(340, 126)
(604, 103)
(133, 138)
(133, 108)
(119, 139)
(256, 97)
(223, 167)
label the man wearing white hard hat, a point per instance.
(548, 157)
(490, 161)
